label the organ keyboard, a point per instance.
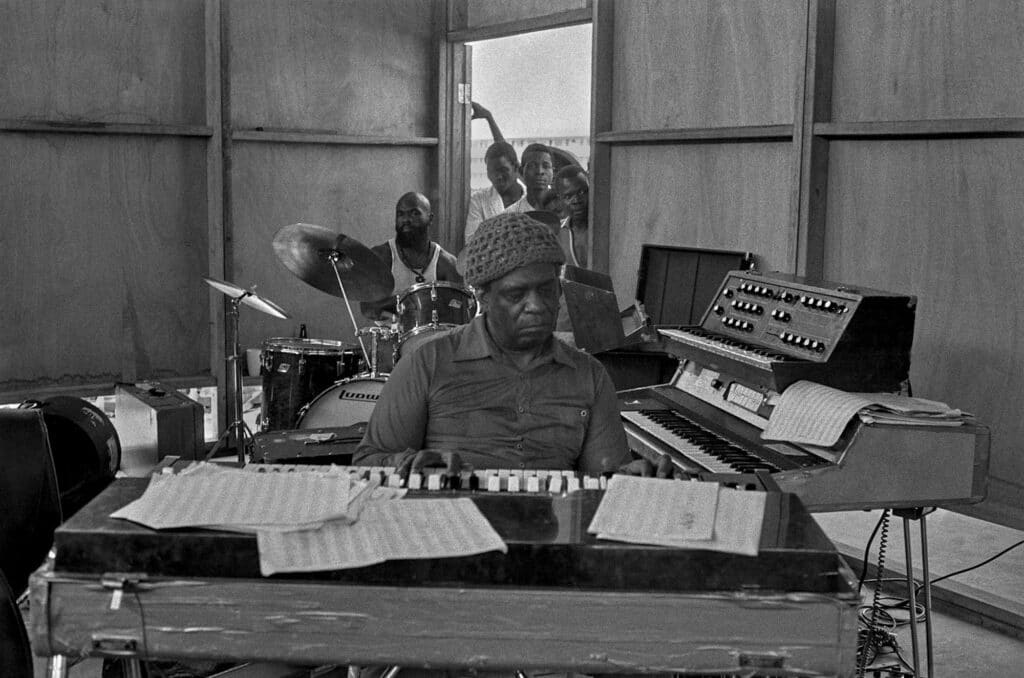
(514, 481)
(483, 480)
(709, 418)
(560, 599)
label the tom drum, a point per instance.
(294, 371)
(425, 308)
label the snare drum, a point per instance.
(425, 308)
(295, 370)
(346, 403)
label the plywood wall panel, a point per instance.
(490, 12)
(730, 196)
(103, 248)
(928, 60)
(350, 190)
(941, 219)
(706, 63)
(359, 67)
(117, 61)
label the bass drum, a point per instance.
(346, 403)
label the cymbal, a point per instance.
(250, 298)
(313, 253)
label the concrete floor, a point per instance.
(978, 623)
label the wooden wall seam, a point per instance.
(932, 129)
(303, 137)
(563, 19)
(808, 214)
(697, 134)
(601, 112)
(99, 127)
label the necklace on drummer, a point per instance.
(418, 271)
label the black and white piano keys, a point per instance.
(551, 481)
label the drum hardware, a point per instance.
(377, 334)
(238, 432)
(326, 260)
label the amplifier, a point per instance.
(154, 421)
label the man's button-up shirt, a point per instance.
(460, 393)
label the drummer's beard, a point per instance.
(409, 237)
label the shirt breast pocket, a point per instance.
(568, 427)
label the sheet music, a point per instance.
(656, 509)
(813, 414)
(232, 498)
(737, 520)
(386, 530)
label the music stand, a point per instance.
(237, 431)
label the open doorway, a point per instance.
(537, 88)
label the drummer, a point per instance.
(413, 257)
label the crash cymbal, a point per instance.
(250, 297)
(313, 253)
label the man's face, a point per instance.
(537, 170)
(502, 173)
(522, 306)
(412, 219)
(575, 193)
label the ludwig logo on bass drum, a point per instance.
(356, 395)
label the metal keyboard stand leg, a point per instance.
(926, 587)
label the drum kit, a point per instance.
(316, 383)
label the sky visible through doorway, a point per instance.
(535, 84)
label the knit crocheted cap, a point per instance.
(506, 242)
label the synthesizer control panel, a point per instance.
(805, 319)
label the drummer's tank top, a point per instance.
(405, 277)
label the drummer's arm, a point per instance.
(381, 309)
(446, 268)
(398, 424)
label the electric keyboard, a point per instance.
(483, 480)
(709, 421)
(773, 329)
(559, 599)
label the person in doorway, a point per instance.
(537, 171)
(573, 188)
(412, 256)
(503, 173)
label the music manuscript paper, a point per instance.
(691, 515)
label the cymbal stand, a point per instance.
(339, 259)
(237, 431)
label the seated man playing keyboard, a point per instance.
(501, 391)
